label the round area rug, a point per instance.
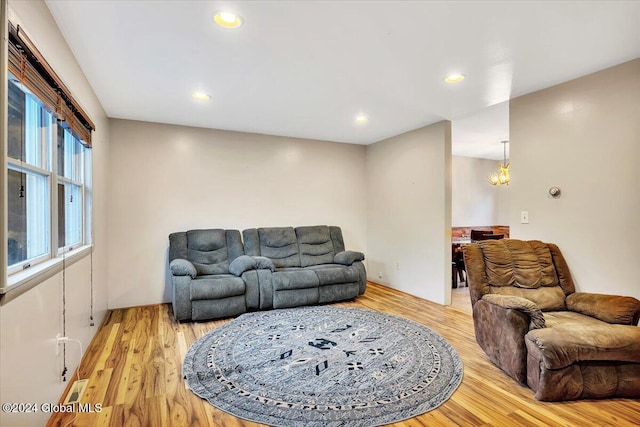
(323, 366)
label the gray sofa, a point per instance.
(283, 267)
(311, 265)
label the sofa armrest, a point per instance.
(264, 263)
(182, 267)
(536, 318)
(348, 257)
(241, 264)
(500, 333)
(608, 308)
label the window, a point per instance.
(70, 189)
(48, 162)
(28, 193)
(31, 152)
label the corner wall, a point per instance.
(29, 368)
(167, 178)
(409, 212)
(584, 137)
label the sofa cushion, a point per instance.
(567, 343)
(524, 264)
(207, 250)
(294, 278)
(216, 287)
(546, 298)
(608, 308)
(333, 274)
(315, 245)
(568, 318)
(280, 245)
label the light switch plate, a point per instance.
(524, 217)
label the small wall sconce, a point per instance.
(554, 192)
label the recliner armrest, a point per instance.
(500, 332)
(241, 264)
(264, 263)
(183, 267)
(608, 308)
(518, 303)
(348, 257)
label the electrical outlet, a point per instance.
(398, 265)
(524, 217)
(380, 275)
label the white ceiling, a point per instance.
(479, 134)
(307, 68)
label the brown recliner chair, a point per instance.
(531, 323)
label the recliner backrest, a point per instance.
(211, 251)
(529, 269)
(318, 244)
(299, 247)
(276, 243)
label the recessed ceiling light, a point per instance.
(454, 78)
(228, 20)
(361, 119)
(200, 96)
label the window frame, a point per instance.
(18, 54)
(14, 165)
(23, 166)
(82, 171)
(49, 155)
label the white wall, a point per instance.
(29, 367)
(473, 200)
(409, 212)
(584, 137)
(167, 178)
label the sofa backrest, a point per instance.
(529, 269)
(299, 247)
(276, 243)
(211, 251)
(318, 244)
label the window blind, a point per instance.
(26, 63)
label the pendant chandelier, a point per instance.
(501, 176)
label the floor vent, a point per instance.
(76, 392)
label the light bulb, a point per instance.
(227, 17)
(200, 96)
(228, 20)
(454, 78)
(361, 119)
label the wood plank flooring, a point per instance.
(460, 299)
(134, 369)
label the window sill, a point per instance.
(20, 282)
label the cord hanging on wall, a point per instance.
(91, 322)
(64, 316)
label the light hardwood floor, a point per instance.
(134, 370)
(460, 299)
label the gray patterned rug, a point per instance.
(323, 366)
